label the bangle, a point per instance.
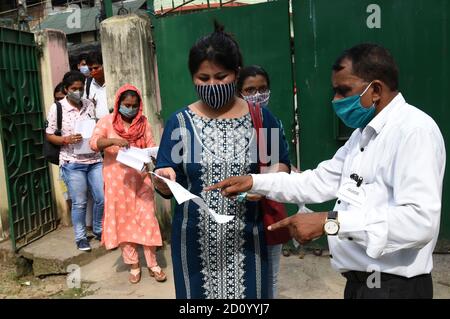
(65, 141)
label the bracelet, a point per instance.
(65, 141)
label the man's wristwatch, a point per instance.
(331, 226)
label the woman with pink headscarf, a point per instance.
(129, 218)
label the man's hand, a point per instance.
(166, 172)
(303, 227)
(232, 186)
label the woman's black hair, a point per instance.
(131, 93)
(59, 88)
(71, 77)
(218, 47)
(252, 70)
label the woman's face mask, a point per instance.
(216, 95)
(84, 69)
(75, 96)
(258, 98)
(352, 112)
(128, 112)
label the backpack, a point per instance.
(88, 86)
(51, 151)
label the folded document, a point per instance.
(137, 157)
(181, 195)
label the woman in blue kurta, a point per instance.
(202, 144)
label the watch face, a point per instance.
(331, 227)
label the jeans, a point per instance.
(274, 254)
(80, 178)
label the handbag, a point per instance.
(50, 150)
(272, 211)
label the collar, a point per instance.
(98, 85)
(381, 118)
(70, 108)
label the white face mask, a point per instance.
(84, 69)
(259, 98)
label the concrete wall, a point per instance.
(54, 63)
(128, 57)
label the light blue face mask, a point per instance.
(351, 111)
(84, 69)
(128, 112)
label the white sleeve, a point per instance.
(413, 219)
(311, 186)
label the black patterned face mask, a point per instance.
(216, 95)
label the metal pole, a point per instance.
(150, 7)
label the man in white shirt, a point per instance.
(95, 89)
(387, 180)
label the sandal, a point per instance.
(159, 275)
(135, 276)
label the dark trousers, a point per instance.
(387, 287)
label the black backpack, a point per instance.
(51, 151)
(88, 86)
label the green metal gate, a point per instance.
(22, 131)
(263, 34)
(417, 32)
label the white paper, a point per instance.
(134, 157)
(153, 151)
(86, 129)
(181, 195)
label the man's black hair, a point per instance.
(371, 62)
(81, 57)
(94, 57)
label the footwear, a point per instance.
(97, 236)
(135, 275)
(286, 252)
(83, 245)
(159, 276)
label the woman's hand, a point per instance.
(166, 172)
(119, 142)
(72, 139)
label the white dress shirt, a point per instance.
(97, 92)
(401, 156)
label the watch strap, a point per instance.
(332, 214)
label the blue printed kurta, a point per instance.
(212, 260)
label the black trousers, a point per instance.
(364, 285)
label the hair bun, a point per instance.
(219, 28)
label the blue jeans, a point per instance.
(80, 178)
(274, 254)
